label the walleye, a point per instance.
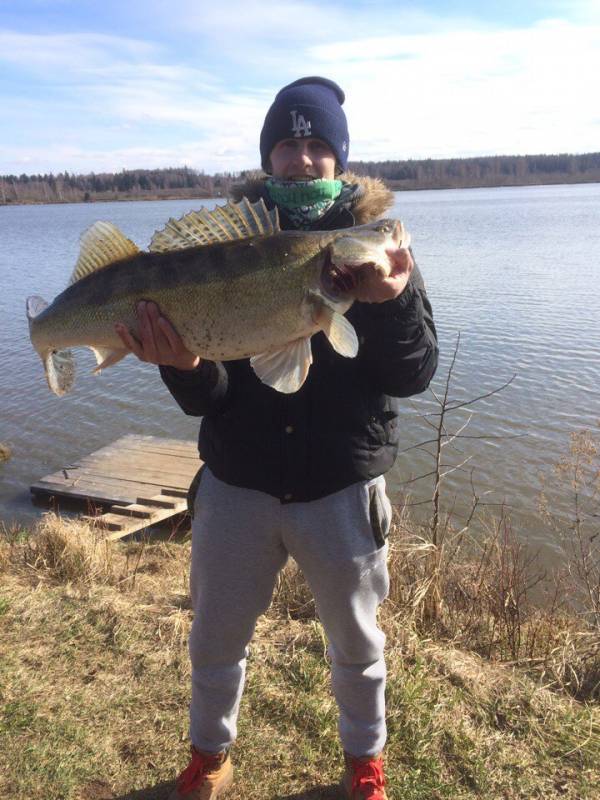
(230, 281)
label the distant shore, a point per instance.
(394, 186)
(184, 183)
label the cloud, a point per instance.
(470, 91)
(35, 52)
(577, 11)
(286, 22)
(99, 86)
(212, 154)
(416, 86)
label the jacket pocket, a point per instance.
(380, 513)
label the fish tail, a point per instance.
(59, 365)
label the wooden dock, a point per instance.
(137, 481)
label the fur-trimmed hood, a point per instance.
(373, 198)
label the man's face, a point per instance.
(302, 159)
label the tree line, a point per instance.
(449, 173)
(183, 182)
(128, 184)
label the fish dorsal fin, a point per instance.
(223, 224)
(101, 244)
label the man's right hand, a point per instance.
(159, 342)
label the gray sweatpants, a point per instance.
(240, 541)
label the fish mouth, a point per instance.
(341, 281)
(345, 267)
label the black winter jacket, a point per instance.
(341, 426)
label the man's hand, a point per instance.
(373, 287)
(159, 342)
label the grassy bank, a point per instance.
(94, 681)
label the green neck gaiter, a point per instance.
(303, 201)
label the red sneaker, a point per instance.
(206, 777)
(364, 778)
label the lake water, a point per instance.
(514, 270)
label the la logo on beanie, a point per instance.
(299, 125)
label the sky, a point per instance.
(105, 85)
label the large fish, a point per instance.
(231, 282)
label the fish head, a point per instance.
(356, 250)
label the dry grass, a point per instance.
(94, 685)
(484, 603)
(67, 551)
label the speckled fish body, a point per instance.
(225, 300)
(249, 297)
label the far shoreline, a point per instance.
(128, 198)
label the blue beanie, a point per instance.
(307, 107)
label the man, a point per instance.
(299, 474)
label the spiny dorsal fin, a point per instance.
(223, 224)
(102, 244)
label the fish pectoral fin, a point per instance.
(284, 370)
(105, 357)
(339, 331)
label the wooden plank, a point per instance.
(155, 445)
(161, 501)
(187, 452)
(176, 492)
(159, 478)
(158, 446)
(118, 527)
(120, 449)
(117, 491)
(141, 460)
(138, 525)
(135, 454)
(97, 495)
(109, 471)
(131, 510)
(174, 466)
(110, 491)
(112, 522)
(135, 457)
(146, 477)
(81, 482)
(141, 479)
